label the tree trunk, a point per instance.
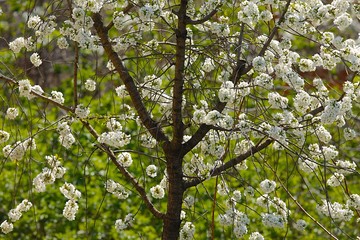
(171, 227)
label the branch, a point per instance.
(200, 21)
(152, 126)
(178, 89)
(274, 30)
(76, 61)
(47, 99)
(231, 163)
(129, 177)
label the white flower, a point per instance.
(267, 186)
(323, 135)
(25, 88)
(151, 171)
(302, 101)
(81, 111)
(120, 225)
(273, 220)
(240, 230)
(256, 236)
(337, 211)
(300, 225)
(57, 97)
(199, 116)
(70, 209)
(11, 113)
(124, 159)
(24, 206)
(187, 231)
(249, 191)
(123, 224)
(259, 64)
(208, 65)
(17, 44)
(349, 134)
(69, 191)
(277, 101)
(121, 91)
(34, 22)
(157, 192)
(335, 180)
(343, 21)
(354, 201)
(67, 140)
(264, 80)
(62, 43)
(4, 136)
(6, 227)
(115, 139)
(345, 167)
(113, 125)
(331, 111)
(116, 189)
(306, 65)
(14, 215)
(212, 118)
(110, 66)
(35, 59)
(307, 165)
(90, 85)
(237, 195)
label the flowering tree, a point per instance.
(234, 118)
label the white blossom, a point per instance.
(256, 236)
(35, 59)
(268, 186)
(116, 189)
(157, 192)
(273, 220)
(4, 136)
(69, 191)
(11, 113)
(81, 111)
(70, 209)
(277, 101)
(17, 44)
(90, 85)
(354, 201)
(337, 211)
(124, 159)
(335, 180)
(62, 43)
(151, 171)
(57, 97)
(300, 225)
(6, 227)
(187, 231)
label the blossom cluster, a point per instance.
(66, 138)
(49, 174)
(14, 215)
(16, 151)
(116, 189)
(71, 206)
(123, 224)
(115, 137)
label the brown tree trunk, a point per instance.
(171, 227)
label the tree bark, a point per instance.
(171, 227)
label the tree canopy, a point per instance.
(209, 119)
